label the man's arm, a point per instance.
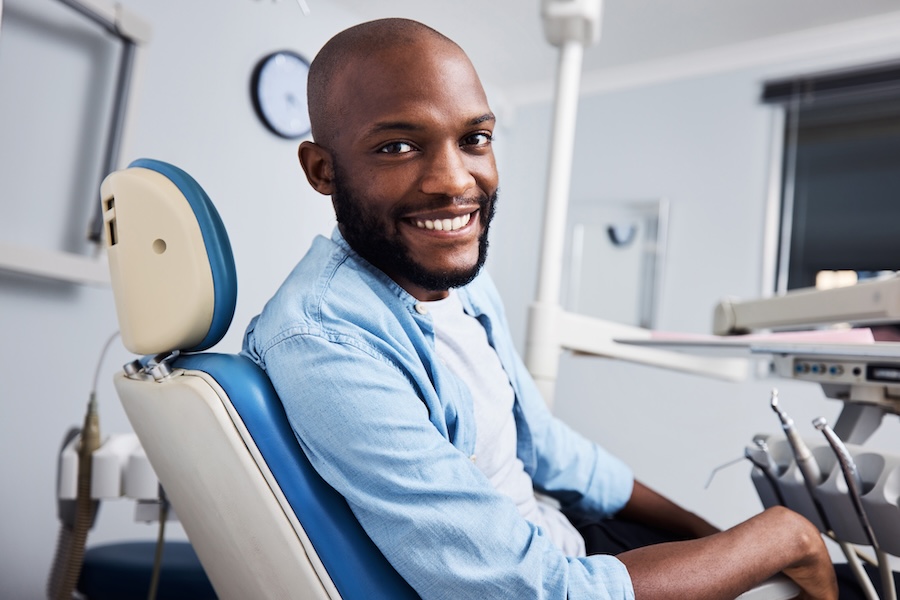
(726, 564)
(650, 508)
(433, 514)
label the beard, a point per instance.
(380, 243)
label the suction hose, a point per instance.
(73, 535)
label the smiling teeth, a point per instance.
(445, 224)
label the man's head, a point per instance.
(402, 143)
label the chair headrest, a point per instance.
(170, 261)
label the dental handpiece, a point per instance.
(806, 462)
(851, 476)
(855, 490)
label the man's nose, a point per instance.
(447, 173)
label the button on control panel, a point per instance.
(845, 371)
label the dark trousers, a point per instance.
(613, 536)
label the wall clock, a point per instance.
(278, 89)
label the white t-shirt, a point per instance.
(462, 345)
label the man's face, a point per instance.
(365, 231)
(414, 174)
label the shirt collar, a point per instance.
(404, 296)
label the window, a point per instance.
(840, 200)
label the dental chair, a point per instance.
(261, 520)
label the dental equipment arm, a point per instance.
(552, 330)
(572, 25)
(855, 491)
(867, 302)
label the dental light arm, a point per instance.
(572, 25)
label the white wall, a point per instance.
(700, 142)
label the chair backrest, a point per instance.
(262, 521)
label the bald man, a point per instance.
(391, 353)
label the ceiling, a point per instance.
(504, 38)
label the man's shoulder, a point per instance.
(330, 291)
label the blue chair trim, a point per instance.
(218, 248)
(357, 567)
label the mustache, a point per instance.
(483, 201)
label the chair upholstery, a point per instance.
(262, 521)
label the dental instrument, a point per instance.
(855, 492)
(762, 459)
(812, 477)
(773, 467)
(806, 462)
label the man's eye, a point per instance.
(396, 148)
(478, 139)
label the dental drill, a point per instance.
(855, 491)
(812, 477)
(806, 463)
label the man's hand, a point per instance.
(724, 565)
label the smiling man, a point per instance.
(390, 351)
(409, 165)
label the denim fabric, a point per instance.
(393, 431)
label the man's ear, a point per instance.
(317, 164)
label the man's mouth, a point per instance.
(453, 224)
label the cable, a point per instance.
(100, 361)
(157, 557)
(69, 557)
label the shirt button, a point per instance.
(421, 309)
(473, 458)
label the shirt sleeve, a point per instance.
(431, 512)
(575, 470)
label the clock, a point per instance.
(278, 89)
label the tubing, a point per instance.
(70, 545)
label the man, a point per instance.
(392, 356)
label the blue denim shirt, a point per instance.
(393, 431)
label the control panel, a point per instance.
(861, 373)
(822, 370)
